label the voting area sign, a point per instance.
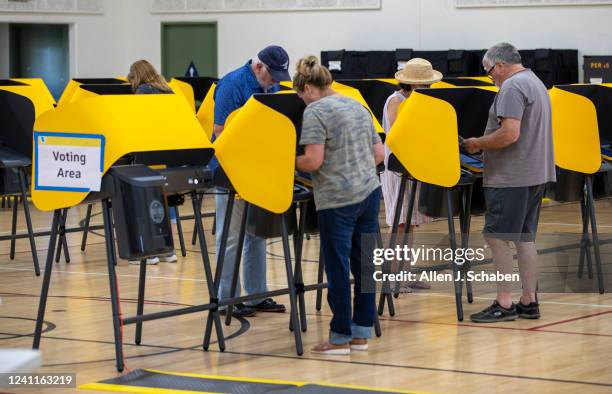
(68, 162)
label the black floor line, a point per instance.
(244, 327)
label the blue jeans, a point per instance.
(253, 253)
(341, 231)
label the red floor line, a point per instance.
(590, 334)
(507, 328)
(569, 320)
(484, 326)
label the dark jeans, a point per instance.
(341, 231)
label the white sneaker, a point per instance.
(150, 261)
(360, 344)
(171, 258)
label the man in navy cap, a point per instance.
(259, 75)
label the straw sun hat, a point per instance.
(418, 71)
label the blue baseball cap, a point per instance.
(277, 61)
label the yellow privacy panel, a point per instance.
(424, 138)
(575, 132)
(80, 94)
(35, 90)
(68, 92)
(442, 85)
(128, 123)
(355, 94)
(183, 89)
(388, 80)
(482, 78)
(257, 152)
(73, 86)
(206, 113)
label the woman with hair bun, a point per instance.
(341, 151)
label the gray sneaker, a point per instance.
(495, 313)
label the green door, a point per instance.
(183, 43)
(40, 51)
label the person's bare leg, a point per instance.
(527, 262)
(502, 259)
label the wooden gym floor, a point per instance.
(423, 347)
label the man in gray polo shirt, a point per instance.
(518, 156)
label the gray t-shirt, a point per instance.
(348, 173)
(529, 161)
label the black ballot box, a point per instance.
(9, 181)
(140, 212)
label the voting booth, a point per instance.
(73, 87)
(122, 136)
(267, 125)
(17, 113)
(425, 141)
(100, 148)
(194, 89)
(22, 101)
(582, 136)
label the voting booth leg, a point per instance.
(200, 199)
(236, 273)
(453, 245)
(111, 259)
(213, 288)
(385, 294)
(320, 281)
(14, 227)
(379, 244)
(26, 209)
(62, 242)
(194, 234)
(290, 282)
(44, 292)
(406, 235)
(591, 205)
(298, 244)
(86, 227)
(179, 229)
(140, 305)
(465, 217)
(585, 242)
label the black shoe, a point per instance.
(495, 313)
(269, 305)
(239, 310)
(531, 311)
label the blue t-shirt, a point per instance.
(232, 92)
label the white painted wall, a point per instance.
(417, 24)
(97, 41)
(106, 45)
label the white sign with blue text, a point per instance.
(68, 161)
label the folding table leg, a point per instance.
(453, 245)
(44, 292)
(111, 258)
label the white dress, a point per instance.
(391, 182)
